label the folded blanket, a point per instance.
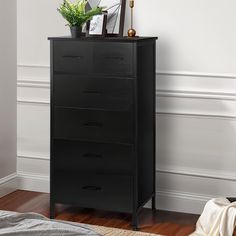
(23, 224)
(218, 218)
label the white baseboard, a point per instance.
(32, 182)
(181, 201)
(165, 200)
(8, 184)
(181, 190)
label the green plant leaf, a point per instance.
(75, 13)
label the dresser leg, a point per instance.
(135, 221)
(52, 210)
(154, 203)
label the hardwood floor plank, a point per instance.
(185, 230)
(159, 222)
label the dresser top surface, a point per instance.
(107, 39)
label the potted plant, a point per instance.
(76, 15)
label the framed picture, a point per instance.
(97, 26)
(115, 14)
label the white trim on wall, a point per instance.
(159, 92)
(36, 102)
(166, 199)
(216, 97)
(196, 94)
(33, 182)
(202, 173)
(38, 157)
(173, 73)
(197, 74)
(37, 77)
(8, 184)
(33, 66)
(193, 115)
(33, 83)
(181, 201)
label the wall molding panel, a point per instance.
(196, 95)
(202, 173)
(36, 75)
(198, 173)
(30, 67)
(179, 111)
(35, 102)
(8, 184)
(33, 157)
(197, 74)
(178, 93)
(33, 84)
(159, 92)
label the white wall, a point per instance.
(196, 96)
(7, 96)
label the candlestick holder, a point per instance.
(132, 31)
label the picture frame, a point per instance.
(97, 26)
(115, 15)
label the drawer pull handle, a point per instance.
(93, 124)
(74, 57)
(92, 92)
(92, 155)
(92, 188)
(114, 58)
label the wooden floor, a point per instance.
(160, 222)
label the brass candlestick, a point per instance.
(132, 31)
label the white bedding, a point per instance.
(218, 218)
(31, 224)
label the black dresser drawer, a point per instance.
(92, 157)
(93, 58)
(98, 93)
(72, 57)
(93, 125)
(108, 192)
(114, 59)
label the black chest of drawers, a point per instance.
(103, 123)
